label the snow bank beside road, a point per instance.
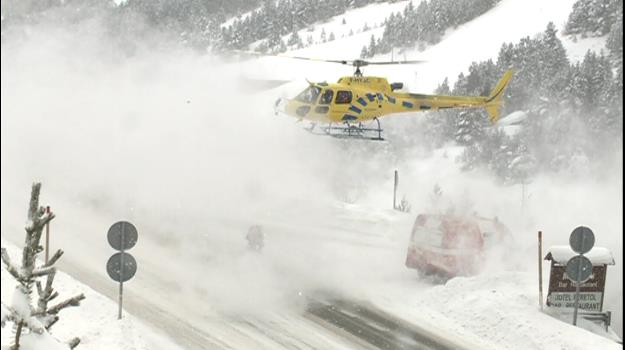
(498, 309)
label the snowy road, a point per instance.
(376, 327)
(171, 292)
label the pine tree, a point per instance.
(281, 47)
(469, 127)
(615, 39)
(364, 53)
(593, 17)
(295, 40)
(522, 163)
(554, 63)
(37, 319)
(371, 51)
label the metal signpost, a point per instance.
(396, 182)
(579, 268)
(122, 266)
(540, 269)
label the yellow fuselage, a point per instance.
(357, 99)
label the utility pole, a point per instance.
(396, 182)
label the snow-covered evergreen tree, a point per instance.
(593, 17)
(469, 127)
(28, 319)
(615, 39)
(364, 53)
(295, 41)
(427, 22)
(371, 49)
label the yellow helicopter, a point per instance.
(345, 105)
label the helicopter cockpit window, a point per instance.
(309, 95)
(343, 97)
(326, 97)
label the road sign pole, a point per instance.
(540, 268)
(121, 299)
(122, 266)
(395, 190)
(583, 239)
(121, 279)
(577, 283)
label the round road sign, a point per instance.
(119, 272)
(122, 235)
(582, 239)
(579, 269)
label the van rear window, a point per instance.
(427, 236)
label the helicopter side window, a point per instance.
(343, 97)
(326, 97)
(309, 95)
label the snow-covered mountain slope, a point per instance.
(94, 321)
(360, 25)
(477, 40)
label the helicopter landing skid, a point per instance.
(349, 131)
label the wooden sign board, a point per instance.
(562, 290)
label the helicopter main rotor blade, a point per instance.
(315, 59)
(260, 54)
(354, 63)
(396, 62)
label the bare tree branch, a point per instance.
(75, 301)
(54, 258)
(47, 294)
(34, 200)
(42, 271)
(12, 269)
(50, 320)
(73, 343)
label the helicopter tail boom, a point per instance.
(493, 101)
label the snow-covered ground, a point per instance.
(176, 149)
(502, 308)
(94, 321)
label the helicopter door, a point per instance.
(324, 101)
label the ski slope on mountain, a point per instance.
(169, 142)
(477, 40)
(360, 25)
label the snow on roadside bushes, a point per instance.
(504, 309)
